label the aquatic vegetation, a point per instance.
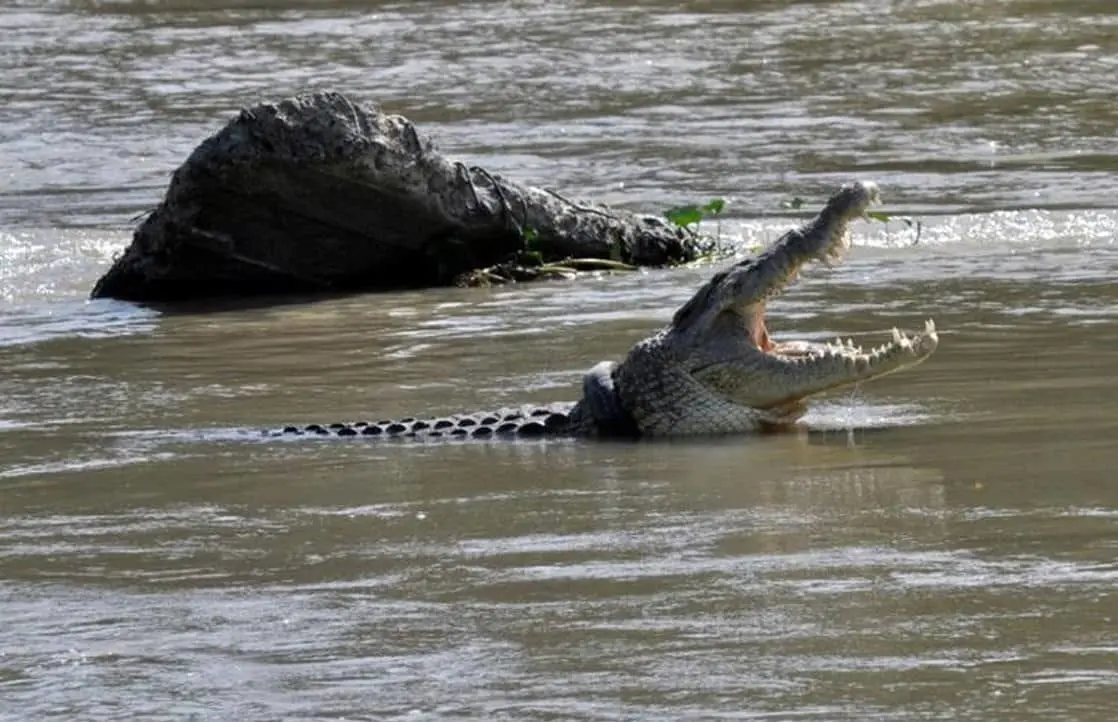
(690, 216)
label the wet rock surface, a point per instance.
(320, 193)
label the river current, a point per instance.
(938, 544)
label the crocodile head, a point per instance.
(724, 370)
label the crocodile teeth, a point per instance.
(847, 350)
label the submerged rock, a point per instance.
(318, 193)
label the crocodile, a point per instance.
(713, 369)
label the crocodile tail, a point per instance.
(522, 422)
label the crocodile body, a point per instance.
(712, 370)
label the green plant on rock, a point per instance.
(690, 216)
(530, 252)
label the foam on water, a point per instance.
(45, 279)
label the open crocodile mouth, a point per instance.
(900, 348)
(778, 375)
(805, 368)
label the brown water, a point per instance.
(940, 544)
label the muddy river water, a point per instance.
(939, 544)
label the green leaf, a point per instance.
(531, 238)
(714, 207)
(684, 216)
(878, 216)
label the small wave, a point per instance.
(80, 464)
(853, 415)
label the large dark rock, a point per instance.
(320, 193)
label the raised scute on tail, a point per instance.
(521, 422)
